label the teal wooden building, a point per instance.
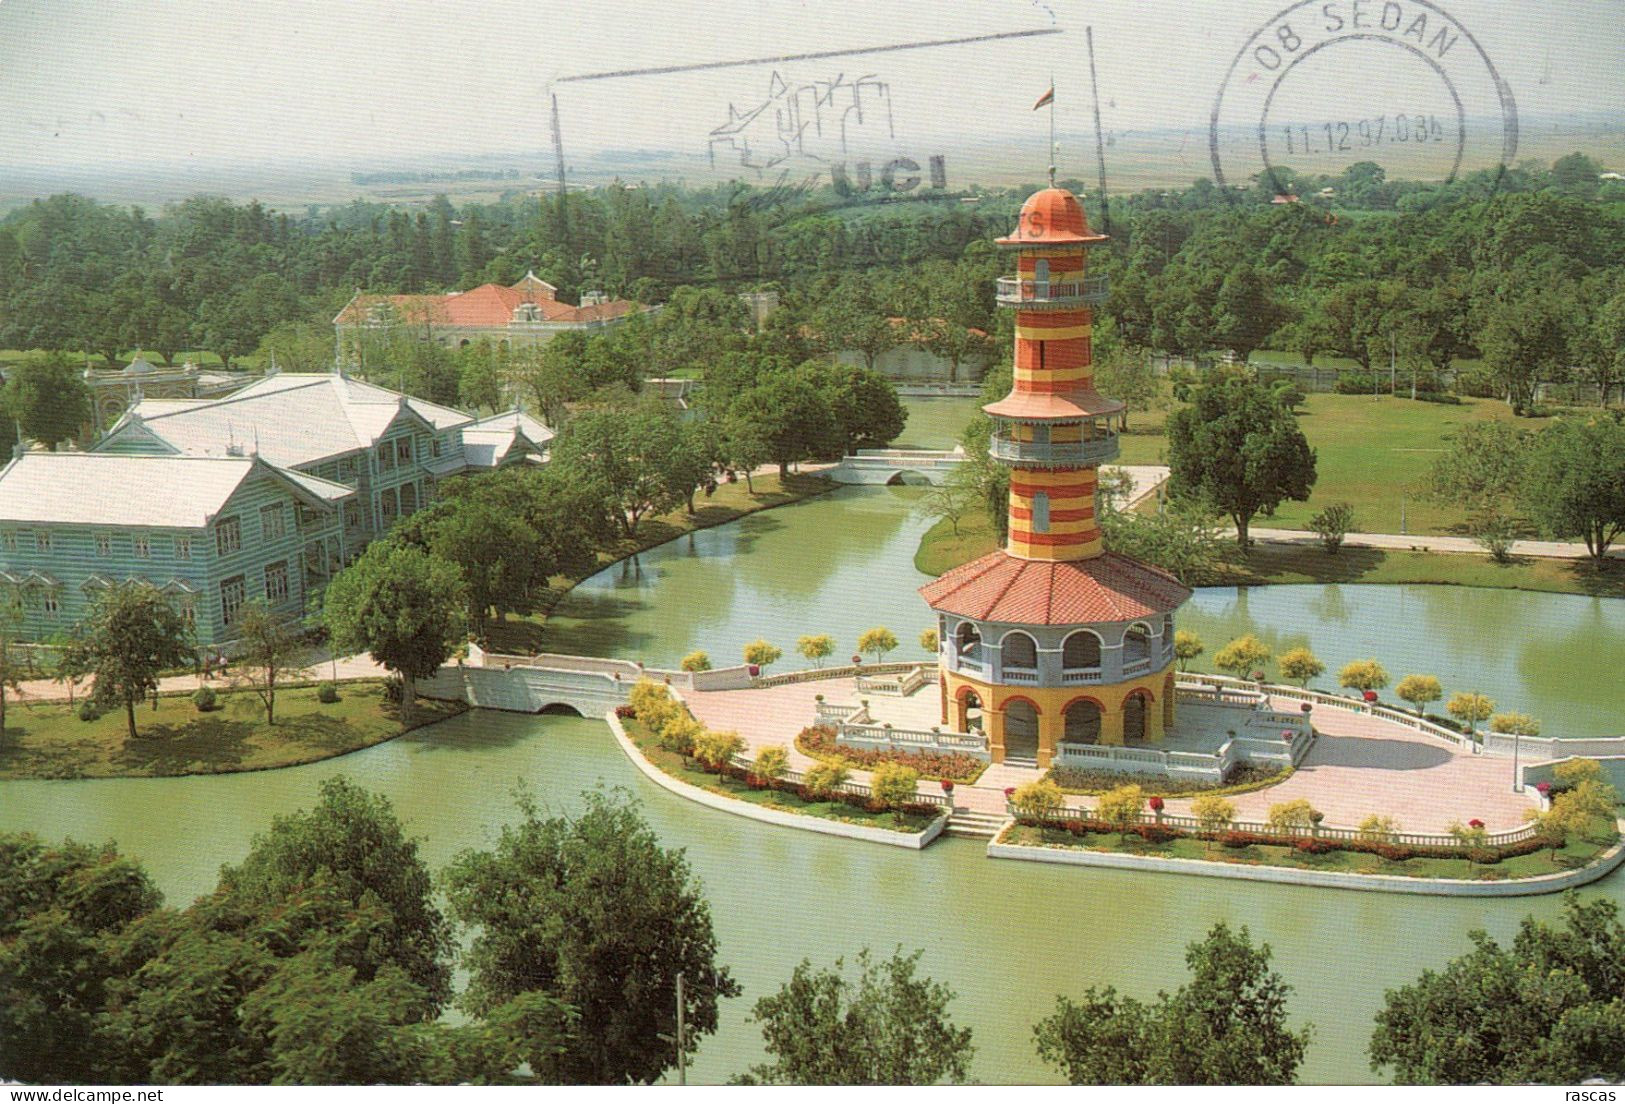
(262, 494)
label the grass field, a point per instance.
(50, 741)
(1372, 453)
(525, 635)
(1577, 852)
(1265, 563)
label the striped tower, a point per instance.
(1054, 639)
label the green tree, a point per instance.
(592, 911)
(1332, 524)
(816, 648)
(1300, 665)
(1419, 690)
(1574, 481)
(130, 637)
(762, 654)
(1521, 724)
(1545, 1010)
(352, 842)
(1226, 1026)
(951, 500)
(877, 642)
(48, 397)
(852, 316)
(1183, 538)
(1187, 646)
(888, 1027)
(1213, 813)
(631, 454)
(1242, 656)
(696, 661)
(402, 605)
(1245, 312)
(867, 411)
(894, 786)
(65, 907)
(1362, 674)
(1121, 806)
(929, 642)
(12, 662)
(273, 649)
(1470, 707)
(1526, 338)
(1238, 449)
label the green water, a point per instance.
(1006, 936)
(935, 423)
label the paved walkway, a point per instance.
(1147, 478)
(350, 667)
(1359, 765)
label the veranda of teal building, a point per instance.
(261, 495)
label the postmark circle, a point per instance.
(1425, 36)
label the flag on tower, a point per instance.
(1046, 99)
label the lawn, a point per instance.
(526, 635)
(1577, 852)
(940, 549)
(685, 770)
(1372, 453)
(50, 741)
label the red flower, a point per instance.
(947, 786)
(1286, 734)
(1543, 788)
(1370, 695)
(1475, 823)
(1009, 791)
(1155, 803)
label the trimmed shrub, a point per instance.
(327, 693)
(696, 661)
(1288, 816)
(894, 785)
(681, 733)
(204, 698)
(88, 711)
(772, 762)
(1039, 797)
(715, 749)
(824, 779)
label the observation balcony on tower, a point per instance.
(1098, 449)
(1028, 293)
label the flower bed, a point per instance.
(1523, 859)
(1244, 779)
(819, 742)
(736, 782)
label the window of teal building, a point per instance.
(183, 548)
(52, 604)
(403, 450)
(141, 545)
(273, 522)
(233, 592)
(42, 540)
(276, 581)
(228, 535)
(104, 544)
(9, 540)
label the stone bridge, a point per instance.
(879, 466)
(588, 685)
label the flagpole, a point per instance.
(1052, 129)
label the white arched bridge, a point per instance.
(878, 466)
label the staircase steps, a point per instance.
(974, 825)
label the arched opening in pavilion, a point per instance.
(1134, 717)
(968, 642)
(1081, 652)
(1082, 723)
(1019, 652)
(1136, 644)
(1020, 730)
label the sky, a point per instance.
(360, 81)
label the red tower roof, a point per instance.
(1052, 217)
(1002, 587)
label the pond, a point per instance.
(1006, 936)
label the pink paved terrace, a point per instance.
(1359, 765)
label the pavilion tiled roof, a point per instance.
(1005, 588)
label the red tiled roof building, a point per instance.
(1054, 639)
(527, 313)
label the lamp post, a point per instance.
(1516, 785)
